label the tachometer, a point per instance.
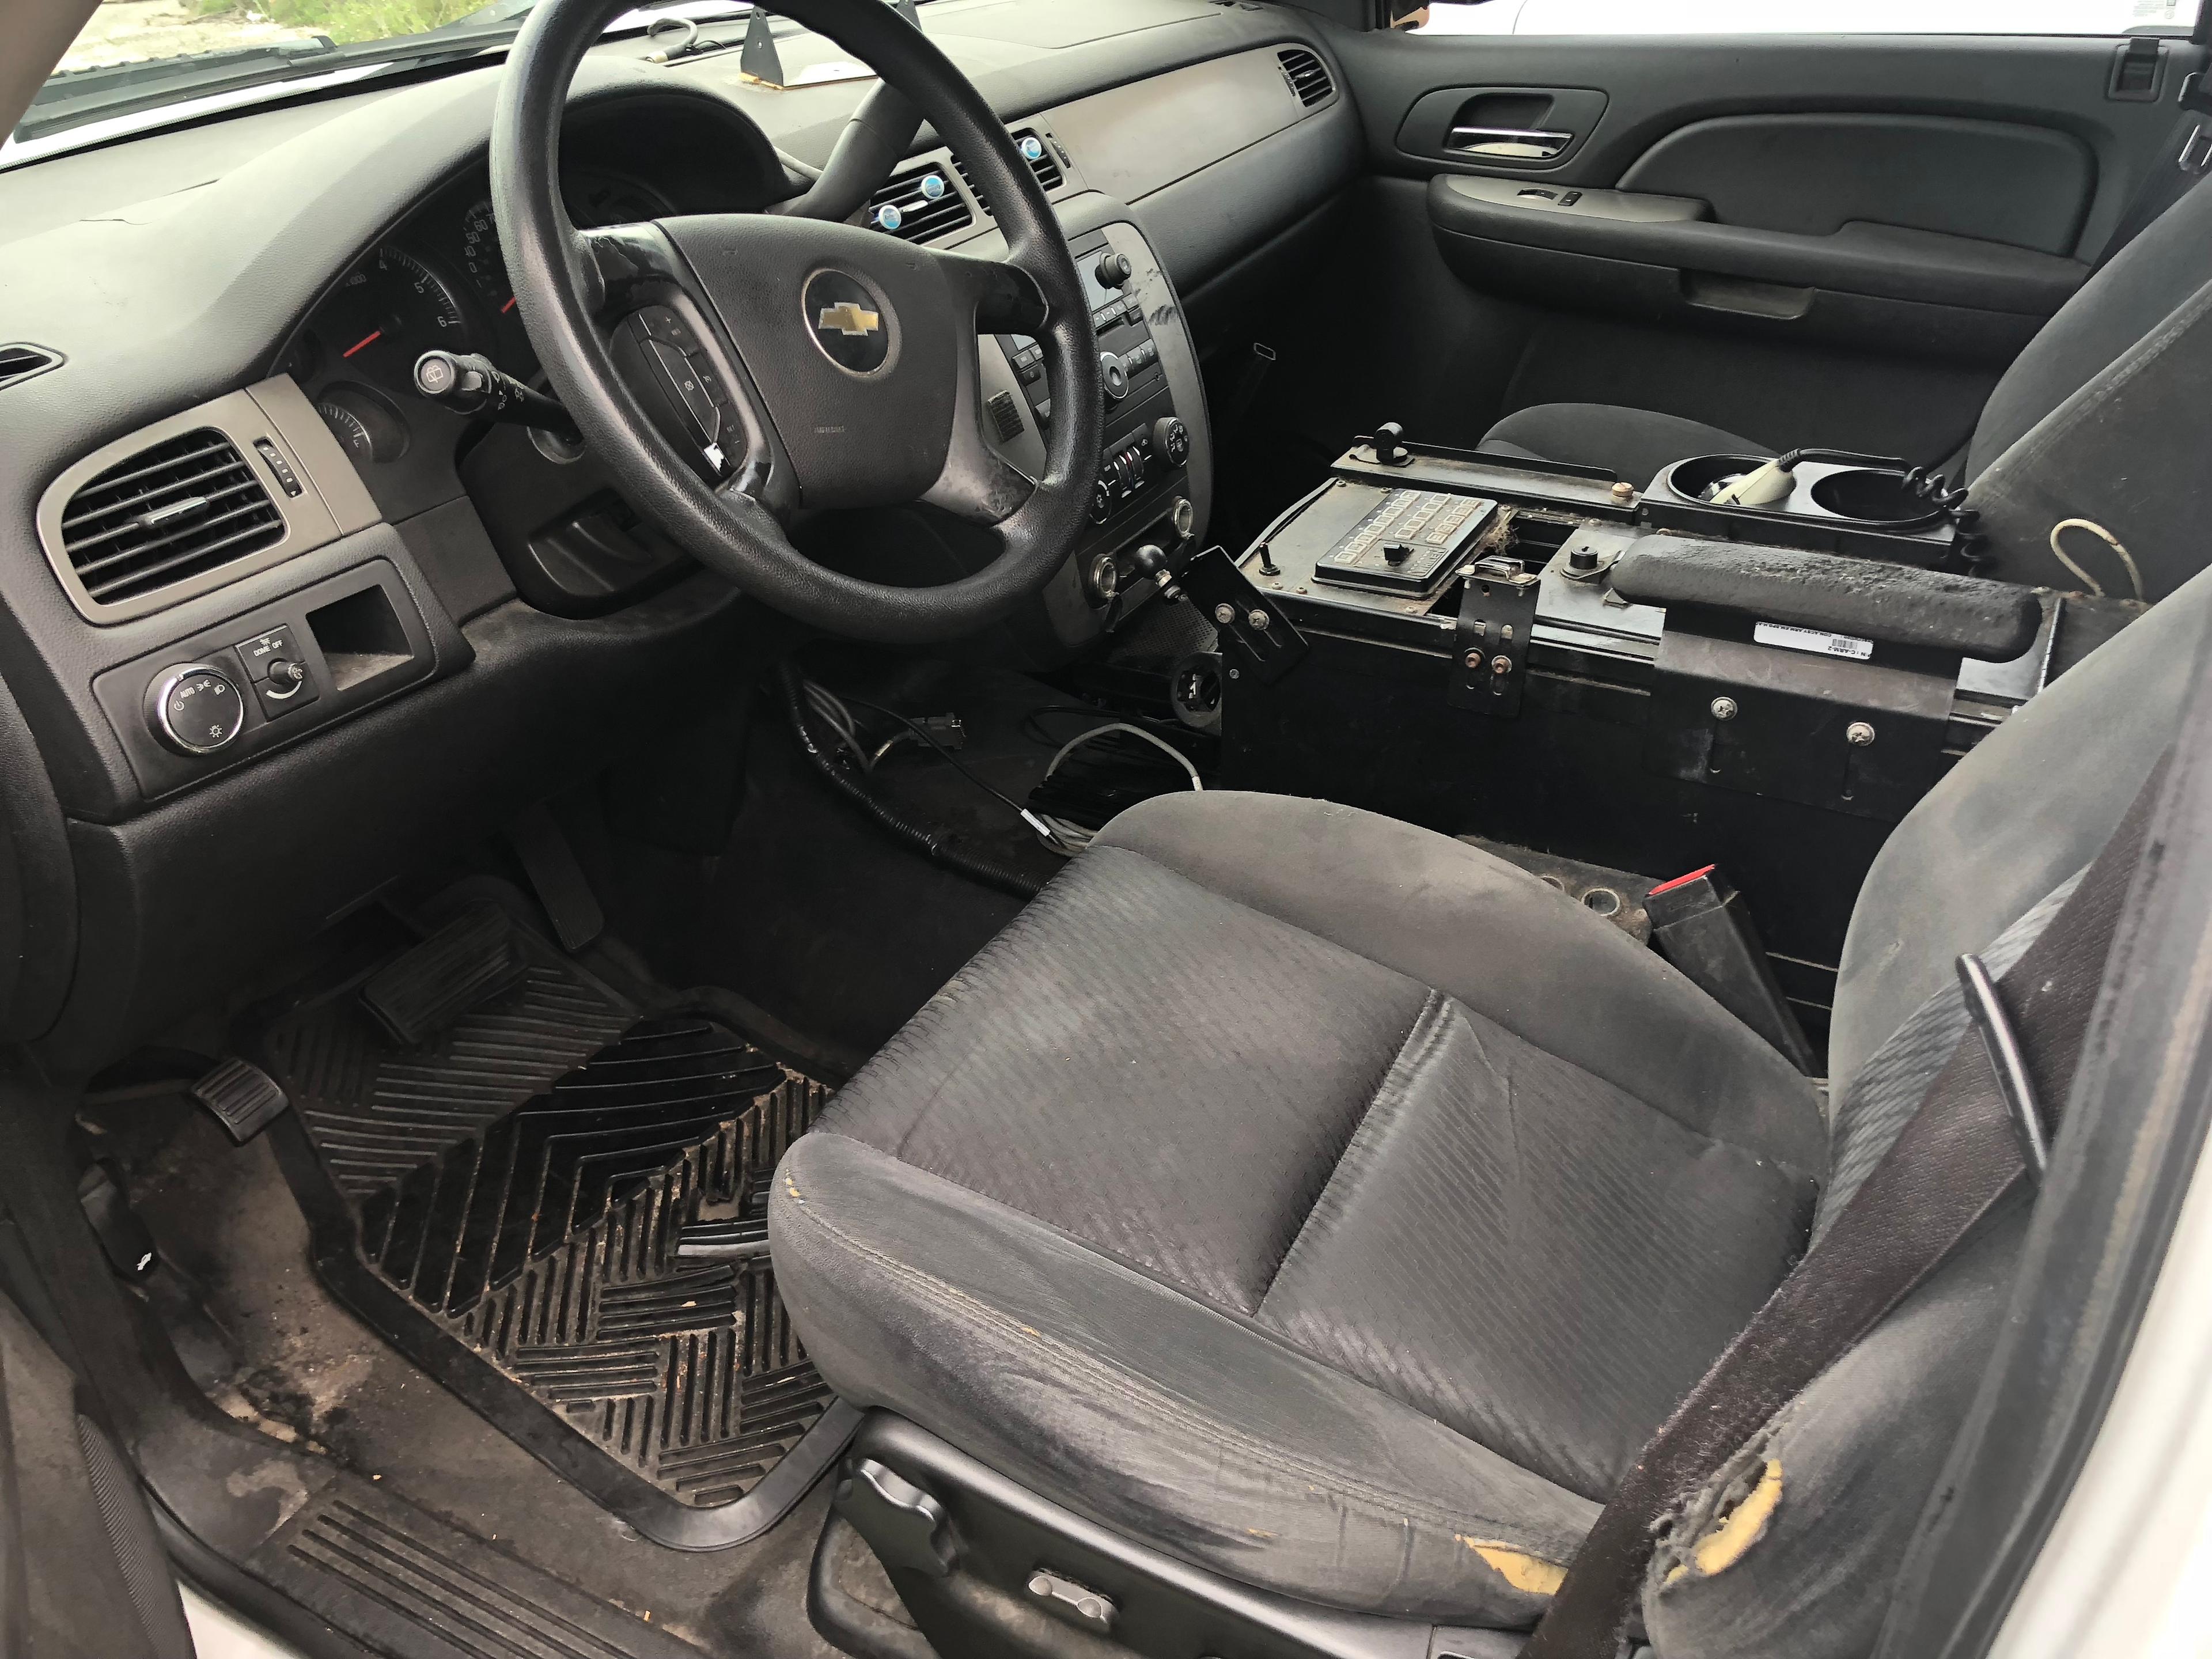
(482, 259)
(390, 311)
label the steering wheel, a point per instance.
(847, 358)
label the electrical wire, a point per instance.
(1059, 834)
(932, 840)
(839, 719)
(1068, 839)
(2126, 559)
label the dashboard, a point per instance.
(427, 624)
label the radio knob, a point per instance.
(1113, 374)
(1114, 269)
(194, 709)
(1171, 439)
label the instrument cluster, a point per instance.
(440, 281)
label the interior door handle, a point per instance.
(1508, 144)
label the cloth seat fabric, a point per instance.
(1267, 1190)
(1630, 443)
(1335, 1206)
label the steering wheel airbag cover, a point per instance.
(859, 440)
(559, 286)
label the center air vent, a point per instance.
(20, 362)
(166, 514)
(1033, 149)
(1306, 74)
(907, 204)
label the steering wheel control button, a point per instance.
(1113, 376)
(195, 708)
(850, 321)
(1113, 269)
(684, 380)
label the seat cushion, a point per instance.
(1630, 443)
(1268, 1191)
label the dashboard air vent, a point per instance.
(167, 513)
(1306, 74)
(20, 362)
(1034, 150)
(909, 205)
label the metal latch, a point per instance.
(1272, 645)
(1490, 650)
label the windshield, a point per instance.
(135, 31)
(141, 61)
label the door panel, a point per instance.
(1813, 175)
(1833, 240)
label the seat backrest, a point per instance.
(2032, 803)
(2146, 283)
(1796, 1544)
(2101, 418)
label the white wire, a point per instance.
(1068, 839)
(2127, 560)
(831, 708)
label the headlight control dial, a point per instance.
(195, 708)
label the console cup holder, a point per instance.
(1700, 477)
(1871, 495)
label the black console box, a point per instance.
(1674, 703)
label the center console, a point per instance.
(1551, 658)
(1153, 483)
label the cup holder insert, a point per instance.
(1702, 476)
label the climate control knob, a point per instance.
(195, 708)
(1171, 439)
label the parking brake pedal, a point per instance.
(245, 1097)
(467, 962)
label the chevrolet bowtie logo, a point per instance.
(850, 318)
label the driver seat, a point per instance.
(1333, 1207)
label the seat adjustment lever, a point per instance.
(903, 1524)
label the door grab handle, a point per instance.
(1513, 143)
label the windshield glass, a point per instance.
(138, 62)
(134, 31)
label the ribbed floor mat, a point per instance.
(509, 1204)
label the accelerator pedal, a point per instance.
(460, 968)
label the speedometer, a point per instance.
(389, 311)
(482, 257)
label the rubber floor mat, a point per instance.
(509, 1203)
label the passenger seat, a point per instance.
(2100, 418)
